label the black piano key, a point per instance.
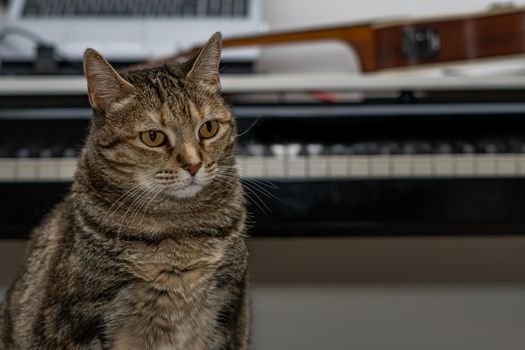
(466, 148)
(314, 149)
(257, 150)
(385, 149)
(372, 148)
(303, 152)
(365, 148)
(23, 153)
(396, 147)
(443, 147)
(356, 148)
(458, 147)
(408, 148)
(69, 153)
(490, 146)
(337, 149)
(423, 147)
(45, 153)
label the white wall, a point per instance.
(336, 57)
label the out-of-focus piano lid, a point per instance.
(507, 74)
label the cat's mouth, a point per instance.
(185, 188)
(190, 190)
(180, 186)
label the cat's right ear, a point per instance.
(105, 85)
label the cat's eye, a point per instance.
(209, 129)
(153, 138)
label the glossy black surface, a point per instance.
(335, 208)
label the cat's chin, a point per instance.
(189, 191)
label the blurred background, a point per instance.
(387, 204)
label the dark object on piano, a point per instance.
(45, 62)
(383, 45)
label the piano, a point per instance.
(363, 158)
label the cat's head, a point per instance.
(165, 129)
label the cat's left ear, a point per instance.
(205, 69)
(105, 85)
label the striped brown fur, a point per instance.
(141, 254)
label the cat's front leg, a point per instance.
(242, 326)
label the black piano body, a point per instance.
(438, 163)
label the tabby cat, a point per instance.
(147, 251)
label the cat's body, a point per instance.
(130, 262)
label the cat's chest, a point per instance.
(180, 317)
(173, 279)
(172, 299)
(171, 265)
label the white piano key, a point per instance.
(48, 168)
(443, 165)
(506, 164)
(422, 165)
(380, 166)
(275, 167)
(317, 166)
(297, 167)
(359, 166)
(254, 167)
(485, 165)
(240, 164)
(8, 169)
(26, 169)
(520, 159)
(464, 165)
(402, 166)
(338, 166)
(67, 167)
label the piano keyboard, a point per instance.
(307, 162)
(392, 166)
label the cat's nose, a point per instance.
(192, 168)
